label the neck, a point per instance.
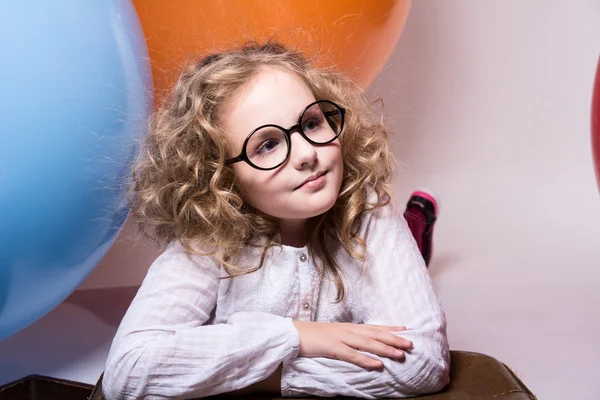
(293, 232)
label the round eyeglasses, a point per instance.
(269, 146)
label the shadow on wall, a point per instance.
(107, 304)
(410, 86)
(77, 330)
(126, 263)
(413, 86)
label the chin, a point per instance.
(319, 205)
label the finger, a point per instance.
(385, 328)
(393, 340)
(348, 354)
(383, 336)
(374, 344)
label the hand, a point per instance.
(341, 341)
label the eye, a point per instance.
(267, 146)
(310, 124)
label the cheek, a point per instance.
(334, 153)
(338, 161)
(244, 178)
(253, 183)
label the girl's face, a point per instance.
(274, 96)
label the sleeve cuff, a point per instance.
(294, 340)
(286, 371)
(286, 379)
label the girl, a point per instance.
(287, 269)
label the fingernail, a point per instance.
(399, 352)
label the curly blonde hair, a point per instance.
(182, 190)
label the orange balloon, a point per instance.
(357, 36)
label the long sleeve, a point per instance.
(164, 348)
(395, 289)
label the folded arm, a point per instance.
(395, 289)
(163, 349)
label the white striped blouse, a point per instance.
(188, 335)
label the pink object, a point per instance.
(421, 214)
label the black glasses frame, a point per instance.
(243, 156)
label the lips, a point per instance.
(311, 178)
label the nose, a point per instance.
(303, 154)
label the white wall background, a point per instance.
(490, 102)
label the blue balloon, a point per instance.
(75, 96)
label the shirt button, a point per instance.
(305, 305)
(303, 257)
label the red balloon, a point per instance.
(596, 123)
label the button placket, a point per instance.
(306, 283)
